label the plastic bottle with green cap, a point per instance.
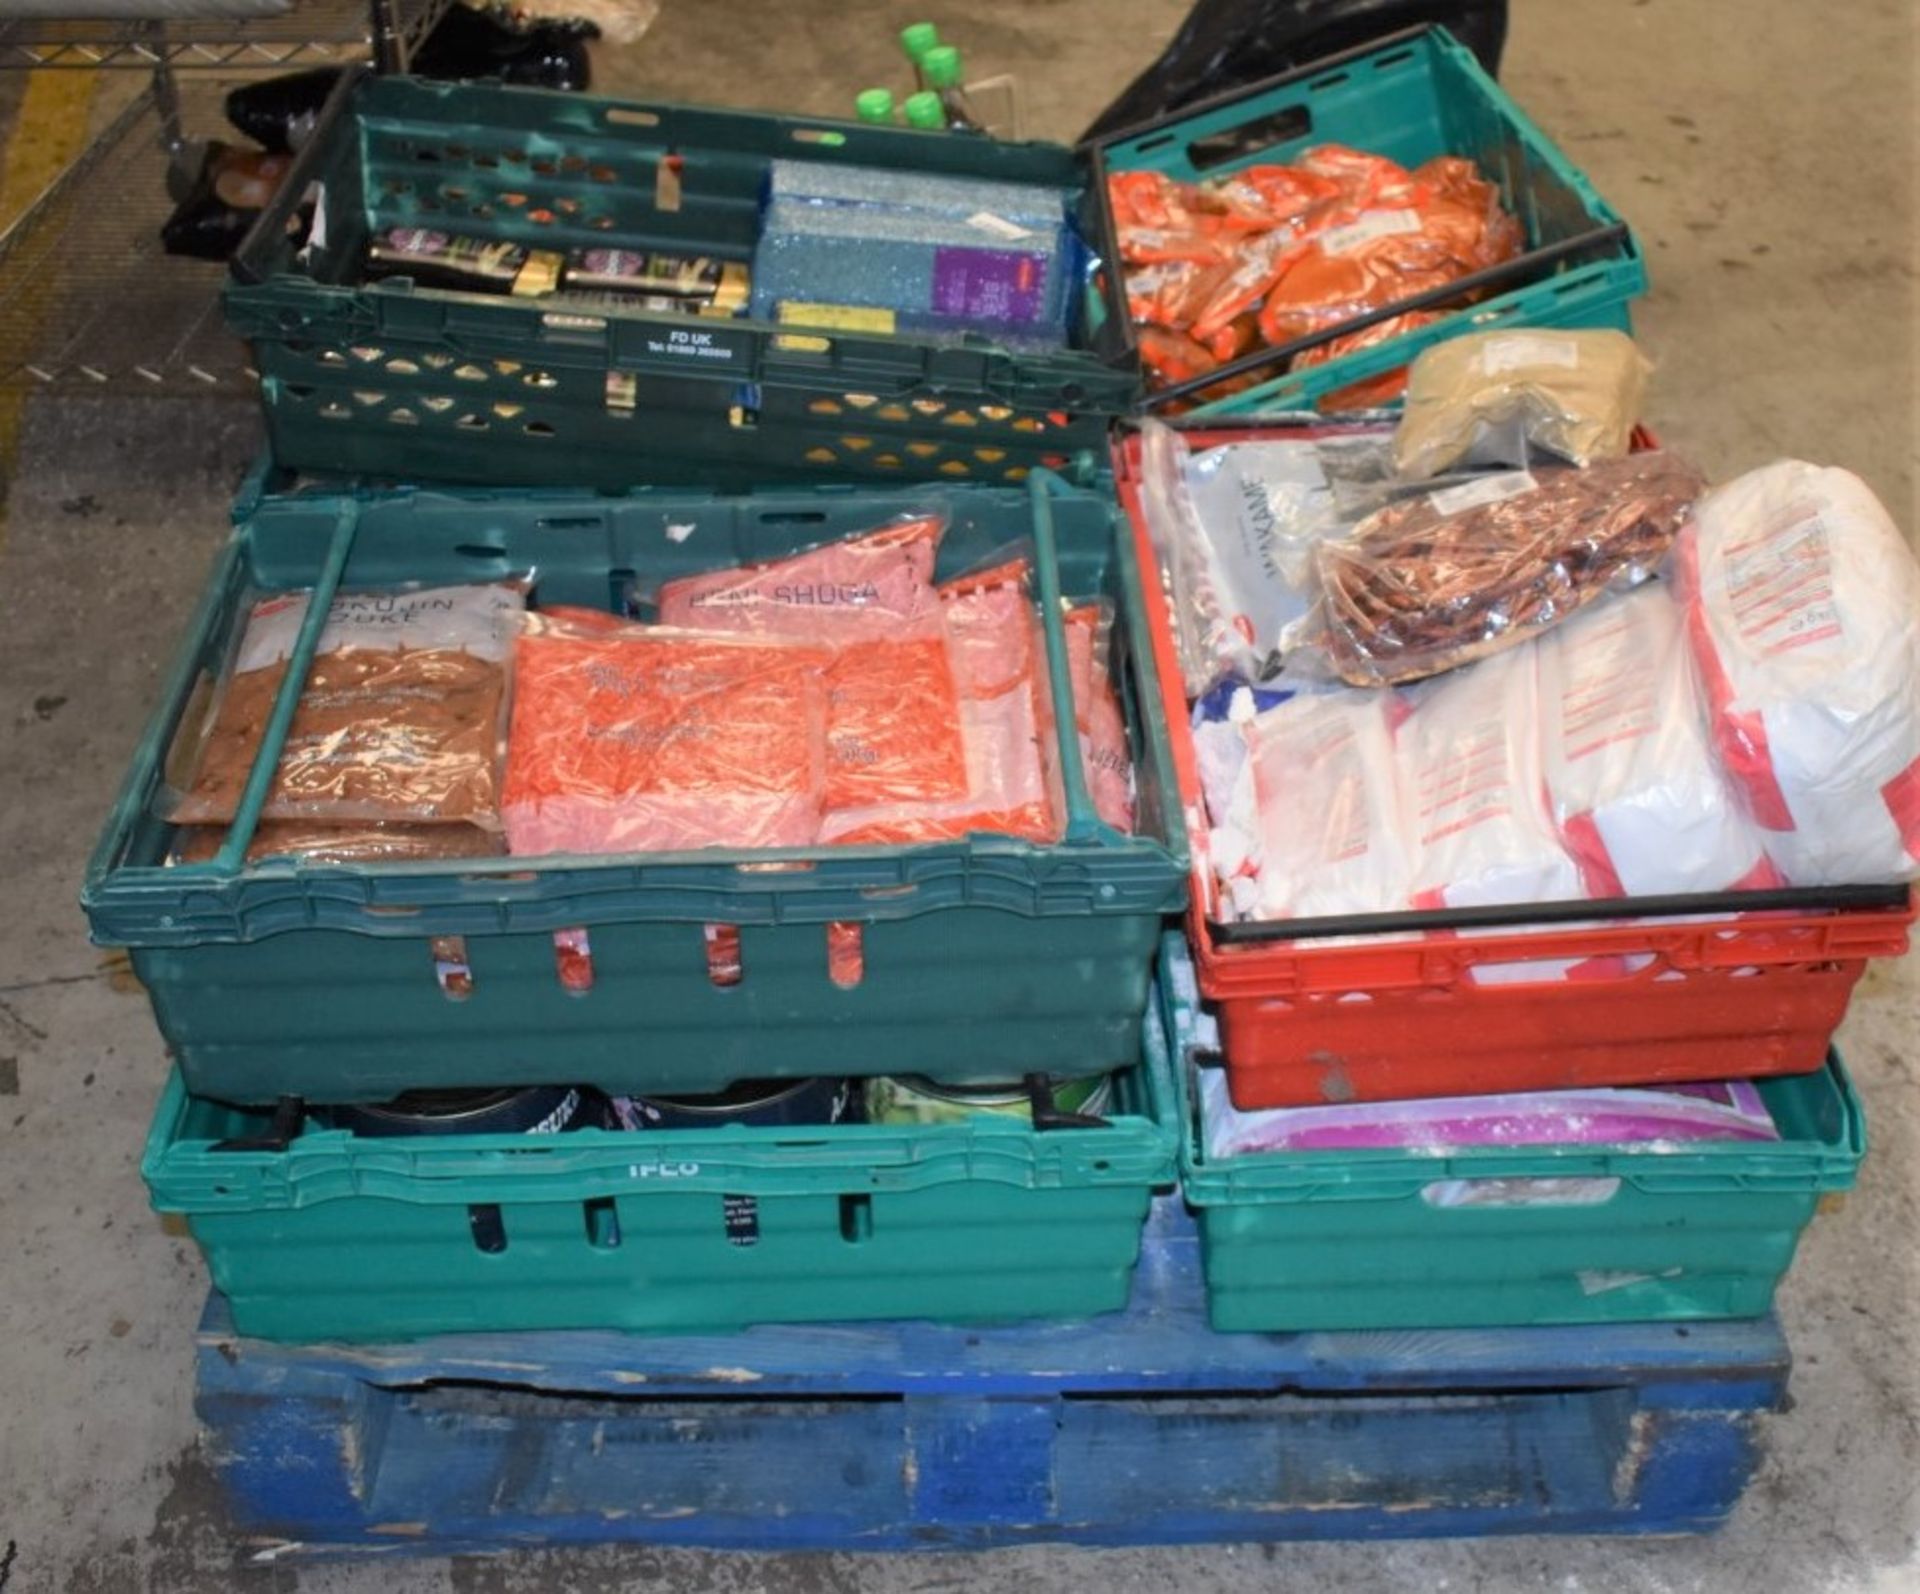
(943, 71)
(916, 38)
(925, 110)
(874, 105)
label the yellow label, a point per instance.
(540, 275)
(838, 317)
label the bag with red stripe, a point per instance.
(1801, 602)
(1637, 796)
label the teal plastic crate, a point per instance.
(388, 381)
(1411, 97)
(339, 1237)
(1564, 1234)
(982, 959)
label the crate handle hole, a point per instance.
(1283, 126)
(629, 116)
(538, 429)
(666, 182)
(451, 970)
(1508, 1193)
(724, 967)
(603, 1223)
(792, 517)
(573, 961)
(485, 1225)
(856, 1219)
(846, 953)
(479, 550)
(819, 135)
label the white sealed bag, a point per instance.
(1801, 597)
(1469, 758)
(1636, 792)
(1332, 836)
(1236, 526)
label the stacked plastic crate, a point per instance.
(287, 988)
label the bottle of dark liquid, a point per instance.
(942, 68)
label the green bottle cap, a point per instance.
(941, 65)
(874, 105)
(925, 110)
(917, 38)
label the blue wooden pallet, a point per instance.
(1140, 1427)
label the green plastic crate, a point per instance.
(983, 959)
(1350, 1239)
(1411, 97)
(385, 380)
(340, 1237)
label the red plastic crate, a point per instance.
(1402, 1015)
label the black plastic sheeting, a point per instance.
(1228, 44)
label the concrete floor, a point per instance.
(1764, 150)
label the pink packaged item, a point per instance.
(1104, 753)
(876, 584)
(1652, 1118)
(634, 738)
(893, 705)
(1638, 797)
(1006, 724)
(1802, 600)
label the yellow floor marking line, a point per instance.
(49, 131)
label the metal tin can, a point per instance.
(542, 1110)
(911, 1099)
(767, 1102)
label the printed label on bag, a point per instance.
(1780, 584)
(1366, 228)
(1521, 350)
(478, 620)
(1608, 695)
(999, 226)
(1487, 490)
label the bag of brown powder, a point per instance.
(401, 718)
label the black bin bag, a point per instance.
(1227, 44)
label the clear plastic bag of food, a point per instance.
(893, 703)
(1274, 253)
(1236, 527)
(1006, 721)
(1636, 792)
(401, 718)
(1106, 758)
(876, 583)
(1802, 605)
(368, 843)
(639, 738)
(1492, 398)
(1333, 833)
(1432, 582)
(1469, 758)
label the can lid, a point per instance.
(941, 65)
(916, 38)
(925, 110)
(874, 105)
